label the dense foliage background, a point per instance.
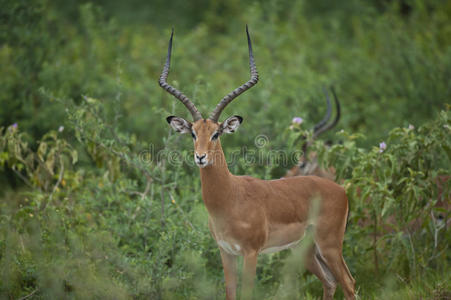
(98, 199)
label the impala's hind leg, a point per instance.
(348, 272)
(333, 259)
(315, 265)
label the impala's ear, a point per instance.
(179, 124)
(231, 124)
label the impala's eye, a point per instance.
(215, 136)
(193, 135)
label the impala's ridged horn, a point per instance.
(238, 91)
(173, 91)
(326, 118)
(322, 126)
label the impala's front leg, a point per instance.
(229, 266)
(250, 265)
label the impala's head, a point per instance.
(206, 132)
(308, 162)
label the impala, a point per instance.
(249, 216)
(308, 163)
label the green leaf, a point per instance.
(74, 155)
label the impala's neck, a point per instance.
(216, 181)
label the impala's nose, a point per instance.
(201, 159)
